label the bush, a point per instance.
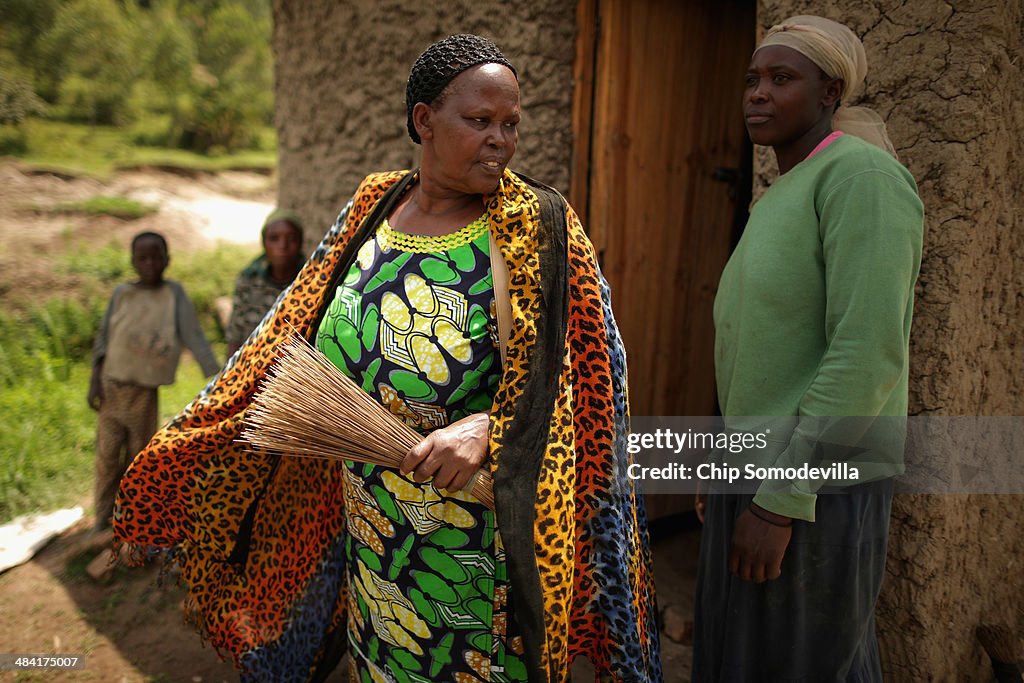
(47, 340)
(155, 130)
(109, 265)
(17, 100)
(13, 140)
(66, 328)
(90, 61)
(201, 71)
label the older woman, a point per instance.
(812, 320)
(466, 298)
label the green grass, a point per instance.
(189, 382)
(49, 436)
(107, 265)
(47, 442)
(118, 207)
(98, 151)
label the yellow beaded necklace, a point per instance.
(389, 238)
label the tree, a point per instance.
(17, 100)
(90, 66)
(22, 22)
(234, 49)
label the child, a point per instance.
(136, 350)
(262, 281)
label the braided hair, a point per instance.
(440, 63)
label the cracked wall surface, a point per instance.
(340, 73)
(948, 79)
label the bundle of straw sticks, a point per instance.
(307, 407)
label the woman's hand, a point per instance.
(451, 455)
(759, 543)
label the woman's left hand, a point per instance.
(451, 455)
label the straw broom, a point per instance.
(307, 407)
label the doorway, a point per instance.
(661, 176)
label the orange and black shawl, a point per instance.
(252, 531)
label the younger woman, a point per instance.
(812, 320)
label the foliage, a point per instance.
(201, 70)
(17, 100)
(233, 48)
(89, 61)
(49, 433)
(118, 207)
(47, 340)
(47, 443)
(106, 265)
(99, 150)
(22, 22)
(13, 140)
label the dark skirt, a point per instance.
(813, 623)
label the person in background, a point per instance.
(260, 283)
(812, 321)
(137, 350)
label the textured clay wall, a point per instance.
(341, 69)
(948, 78)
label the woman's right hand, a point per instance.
(451, 455)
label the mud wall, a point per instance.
(340, 73)
(949, 82)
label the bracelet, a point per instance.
(753, 511)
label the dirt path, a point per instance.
(195, 213)
(227, 206)
(129, 630)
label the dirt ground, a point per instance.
(195, 212)
(129, 628)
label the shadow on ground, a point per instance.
(130, 627)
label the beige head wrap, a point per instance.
(840, 54)
(280, 214)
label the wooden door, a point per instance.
(660, 151)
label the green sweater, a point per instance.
(812, 315)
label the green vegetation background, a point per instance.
(91, 86)
(195, 76)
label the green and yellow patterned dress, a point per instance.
(413, 323)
